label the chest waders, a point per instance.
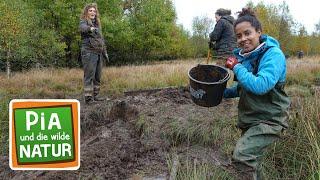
(261, 119)
(92, 66)
(92, 51)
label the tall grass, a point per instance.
(303, 72)
(311, 114)
(50, 82)
(43, 83)
(115, 80)
(297, 155)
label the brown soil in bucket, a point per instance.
(206, 73)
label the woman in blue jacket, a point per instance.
(260, 68)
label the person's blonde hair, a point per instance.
(85, 16)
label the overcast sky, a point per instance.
(305, 12)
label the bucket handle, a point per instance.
(225, 78)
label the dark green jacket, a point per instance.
(223, 35)
(91, 40)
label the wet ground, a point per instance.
(124, 138)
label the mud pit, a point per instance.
(127, 138)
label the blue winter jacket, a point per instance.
(271, 69)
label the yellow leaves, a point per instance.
(277, 22)
(12, 26)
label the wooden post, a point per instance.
(208, 56)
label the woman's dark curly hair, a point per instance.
(248, 15)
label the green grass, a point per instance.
(297, 155)
(202, 131)
(143, 126)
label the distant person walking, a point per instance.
(260, 67)
(222, 38)
(92, 52)
(300, 54)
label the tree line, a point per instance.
(277, 22)
(45, 33)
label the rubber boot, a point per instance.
(244, 172)
(99, 98)
(88, 100)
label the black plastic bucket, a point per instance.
(207, 83)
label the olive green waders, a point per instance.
(261, 119)
(92, 66)
(250, 147)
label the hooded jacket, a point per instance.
(271, 68)
(223, 33)
(261, 76)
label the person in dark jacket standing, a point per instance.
(92, 52)
(260, 67)
(222, 38)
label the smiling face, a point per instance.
(247, 36)
(92, 12)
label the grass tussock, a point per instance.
(199, 131)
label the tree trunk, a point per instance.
(8, 69)
(8, 64)
(68, 51)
